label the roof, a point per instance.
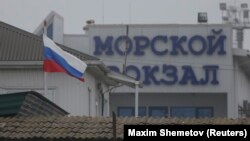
(28, 104)
(19, 45)
(19, 48)
(94, 25)
(87, 128)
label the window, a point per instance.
(142, 111)
(183, 112)
(158, 111)
(125, 111)
(50, 31)
(130, 111)
(205, 112)
(197, 112)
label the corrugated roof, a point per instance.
(10, 104)
(28, 104)
(85, 128)
(19, 45)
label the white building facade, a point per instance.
(21, 69)
(187, 70)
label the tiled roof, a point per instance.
(87, 128)
(19, 45)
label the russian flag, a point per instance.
(57, 60)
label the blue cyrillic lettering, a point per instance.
(213, 69)
(100, 46)
(188, 75)
(171, 72)
(149, 73)
(196, 50)
(118, 43)
(213, 45)
(141, 42)
(176, 41)
(153, 44)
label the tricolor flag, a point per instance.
(57, 60)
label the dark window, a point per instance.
(50, 31)
(158, 111)
(197, 112)
(130, 111)
(205, 112)
(142, 111)
(182, 112)
(125, 111)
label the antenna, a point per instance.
(125, 52)
(130, 11)
(102, 11)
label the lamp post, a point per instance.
(238, 17)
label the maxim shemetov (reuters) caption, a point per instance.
(204, 132)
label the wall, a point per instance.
(70, 93)
(150, 59)
(58, 26)
(242, 83)
(104, 44)
(77, 42)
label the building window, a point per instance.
(158, 111)
(191, 112)
(203, 112)
(130, 111)
(50, 31)
(125, 111)
(182, 112)
(142, 111)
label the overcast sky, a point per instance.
(28, 14)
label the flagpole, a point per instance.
(45, 73)
(45, 83)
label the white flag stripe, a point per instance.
(71, 59)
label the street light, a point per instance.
(238, 17)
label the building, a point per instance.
(21, 60)
(187, 70)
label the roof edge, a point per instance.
(238, 52)
(47, 100)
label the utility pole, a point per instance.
(126, 49)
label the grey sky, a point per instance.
(28, 14)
